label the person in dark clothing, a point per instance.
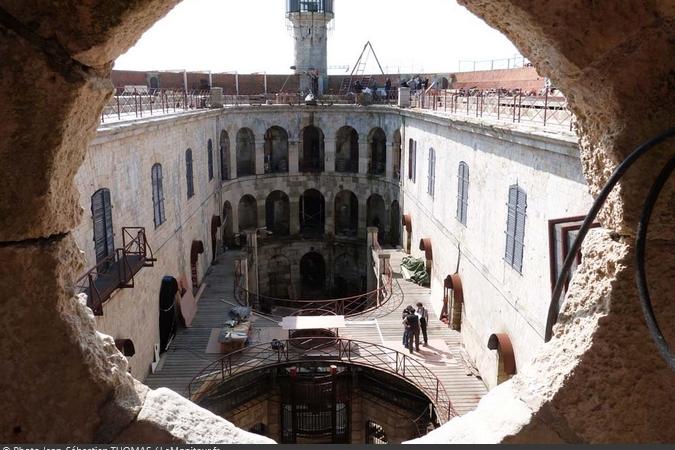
(412, 323)
(387, 86)
(426, 84)
(423, 314)
(358, 87)
(406, 331)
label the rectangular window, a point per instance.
(431, 175)
(515, 227)
(412, 160)
(462, 192)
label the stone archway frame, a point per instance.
(615, 72)
(502, 343)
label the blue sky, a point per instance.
(251, 36)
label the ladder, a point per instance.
(358, 72)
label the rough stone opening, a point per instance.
(615, 74)
(245, 153)
(313, 146)
(276, 150)
(347, 150)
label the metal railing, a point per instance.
(125, 104)
(116, 271)
(347, 306)
(338, 351)
(539, 110)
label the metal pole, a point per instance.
(185, 85)
(545, 105)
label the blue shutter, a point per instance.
(515, 227)
(101, 210)
(462, 192)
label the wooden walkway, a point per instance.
(187, 354)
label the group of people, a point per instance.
(416, 83)
(414, 321)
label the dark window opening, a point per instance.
(312, 213)
(248, 213)
(347, 151)
(245, 153)
(312, 156)
(224, 156)
(377, 152)
(276, 150)
(189, 174)
(278, 213)
(346, 214)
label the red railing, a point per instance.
(117, 271)
(347, 306)
(540, 110)
(336, 351)
(130, 104)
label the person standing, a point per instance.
(412, 324)
(423, 314)
(406, 329)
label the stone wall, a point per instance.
(497, 298)
(120, 159)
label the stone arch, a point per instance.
(245, 152)
(506, 361)
(346, 214)
(347, 150)
(312, 212)
(168, 317)
(278, 213)
(248, 213)
(377, 151)
(312, 150)
(453, 301)
(276, 150)
(224, 142)
(425, 246)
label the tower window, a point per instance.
(462, 192)
(515, 227)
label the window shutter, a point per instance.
(511, 224)
(103, 229)
(210, 159)
(462, 192)
(188, 174)
(521, 207)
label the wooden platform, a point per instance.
(187, 354)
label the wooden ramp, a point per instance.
(187, 354)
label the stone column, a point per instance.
(261, 213)
(363, 154)
(294, 227)
(329, 155)
(389, 166)
(293, 156)
(260, 159)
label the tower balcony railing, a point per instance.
(117, 271)
(506, 106)
(330, 350)
(136, 103)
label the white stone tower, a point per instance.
(310, 20)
